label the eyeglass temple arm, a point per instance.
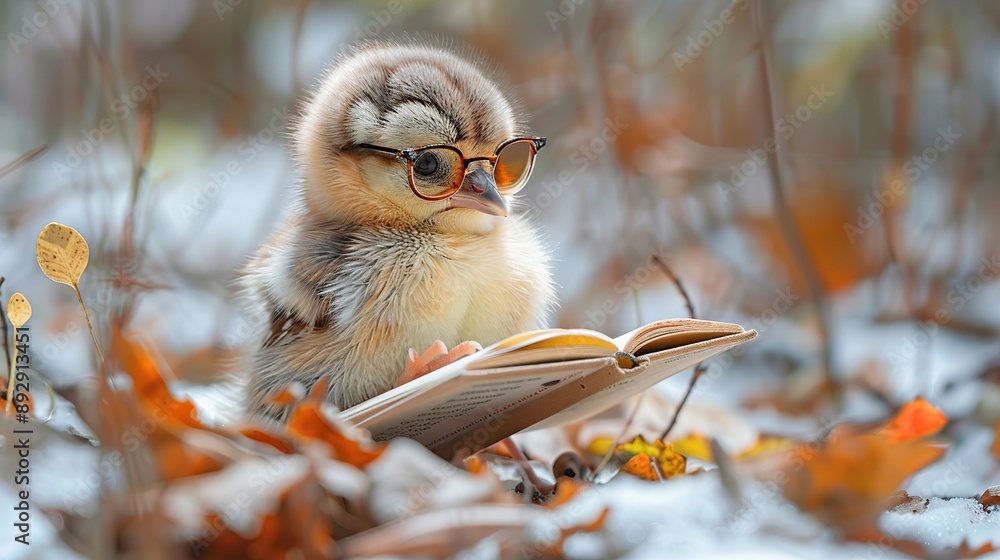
(397, 153)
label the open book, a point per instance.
(538, 379)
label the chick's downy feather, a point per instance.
(363, 270)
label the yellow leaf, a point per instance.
(18, 310)
(639, 445)
(600, 445)
(671, 462)
(695, 445)
(767, 445)
(62, 253)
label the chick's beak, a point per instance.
(479, 192)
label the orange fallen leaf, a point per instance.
(566, 489)
(641, 466)
(308, 423)
(148, 383)
(995, 449)
(668, 460)
(290, 394)
(297, 525)
(964, 551)
(852, 476)
(556, 549)
(917, 419)
(274, 441)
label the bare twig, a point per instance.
(23, 160)
(677, 282)
(700, 368)
(783, 213)
(902, 125)
(635, 407)
(6, 338)
(621, 435)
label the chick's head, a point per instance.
(400, 97)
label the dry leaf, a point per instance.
(148, 383)
(965, 551)
(668, 460)
(308, 423)
(995, 449)
(297, 528)
(62, 253)
(767, 447)
(991, 497)
(917, 419)
(902, 502)
(694, 445)
(641, 466)
(851, 478)
(18, 310)
(566, 489)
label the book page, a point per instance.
(539, 347)
(672, 333)
(470, 397)
(661, 365)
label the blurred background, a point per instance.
(821, 171)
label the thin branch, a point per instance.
(6, 338)
(23, 160)
(635, 407)
(782, 211)
(700, 368)
(621, 435)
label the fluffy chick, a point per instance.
(363, 270)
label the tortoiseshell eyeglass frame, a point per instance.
(410, 155)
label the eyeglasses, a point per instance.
(437, 171)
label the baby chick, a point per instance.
(380, 257)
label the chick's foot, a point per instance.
(435, 357)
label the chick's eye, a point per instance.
(425, 165)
